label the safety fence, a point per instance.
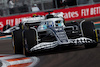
(69, 14)
(25, 6)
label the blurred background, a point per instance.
(25, 6)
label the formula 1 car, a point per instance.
(50, 33)
(33, 21)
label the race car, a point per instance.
(52, 31)
(33, 21)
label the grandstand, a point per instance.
(24, 6)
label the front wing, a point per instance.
(74, 42)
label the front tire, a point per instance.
(30, 40)
(89, 32)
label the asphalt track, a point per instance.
(62, 57)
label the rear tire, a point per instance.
(6, 27)
(89, 32)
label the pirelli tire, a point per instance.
(17, 41)
(89, 32)
(30, 40)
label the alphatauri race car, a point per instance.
(52, 31)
